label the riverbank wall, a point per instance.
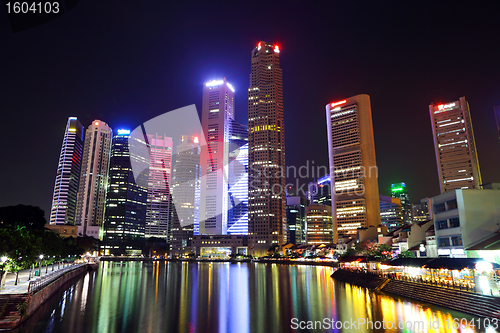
(464, 301)
(15, 308)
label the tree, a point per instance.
(406, 254)
(31, 217)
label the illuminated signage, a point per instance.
(338, 103)
(258, 47)
(214, 83)
(276, 49)
(230, 87)
(442, 107)
(72, 129)
(123, 132)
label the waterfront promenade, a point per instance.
(24, 278)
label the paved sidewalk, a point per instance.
(23, 282)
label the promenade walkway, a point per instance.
(23, 280)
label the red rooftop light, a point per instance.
(338, 103)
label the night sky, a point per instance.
(125, 62)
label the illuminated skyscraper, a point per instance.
(238, 180)
(296, 219)
(456, 155)
(159, 201)
(216, 117)
(353, 167)
(125, 214)
(319, 225)
(391, 212)
(93, 179)
(186, 179)
(63, 208)
(266, 151)
(399, 191)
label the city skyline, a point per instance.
(400, 93)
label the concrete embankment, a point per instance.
(459, 300)
(15, 308)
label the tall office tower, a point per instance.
(266, 151)
(353, 167)
(238, 180)
(125, 215)
(455, 147)
(391, 212)
(319, 225)
(399, 191)
(63, 208)
(93, 179)
(186, 182)
(216, 117)
(296, 219)
(159, 200)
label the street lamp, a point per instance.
(40, 265)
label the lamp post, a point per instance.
(40, 265)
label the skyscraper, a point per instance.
(216, 117)
(353, 167)
(159, 200)
(399, 191)
(296, 219)
(455, 147)
(125, 215)
(238, 180)
(391, 212)
(266, 151)
(93, 179)
(186, 178)
(319, 225)
(63, 210)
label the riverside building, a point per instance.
(455, 147)
(93, 179)
(353, 166)
(63, 209)
(266, 151)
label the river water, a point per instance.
(223, 297)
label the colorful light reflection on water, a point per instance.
(223, 297)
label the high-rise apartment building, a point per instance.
(216, 117)
(63, 210)
(353, 166)
(455, 147)
(399, 191)
(125, 215)
(186, 182)
(319, 225)
(93, 179)
(159, 201)
(266, 151)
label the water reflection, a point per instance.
(223, 297)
